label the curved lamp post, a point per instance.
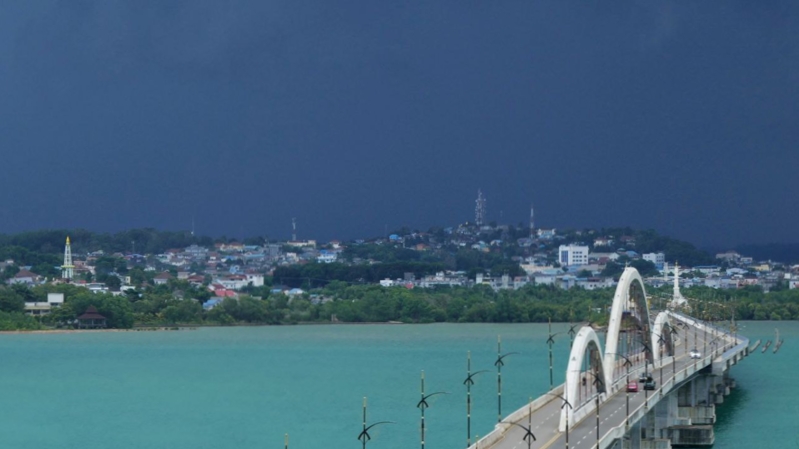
(647, 350)
(673, 332)
(571, 333)
(550, 342)
(499, 363)
(565, 404)
(628, 364)
(364, 435)
(598, 382)
(528, 432)
(469, 382)
(422, 404)
(662, 343)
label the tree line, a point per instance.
(179, 303)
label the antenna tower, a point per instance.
(293, 229)
(532, 222)
(480, 209)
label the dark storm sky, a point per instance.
(355, 115)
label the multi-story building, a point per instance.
(572, 255)
(659, 259)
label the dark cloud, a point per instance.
(350, 117)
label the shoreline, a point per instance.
(181, 327)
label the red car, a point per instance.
(632, 387)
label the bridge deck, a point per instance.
(613, 415)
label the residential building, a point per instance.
(162, 278)
(25, 277)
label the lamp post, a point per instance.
(422, 404)
(528, 432)
(469, 382)
(673, 357)
(286, 442)
(661, 343)
(565, 404)
(364, 435)
(628, 364)
(647, 350)
(599, 383)
(550, 342)
(499, 363)
(571, 334)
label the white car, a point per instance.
(695, 354)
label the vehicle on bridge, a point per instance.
(632, 387)
(644, 377)
(649, 384)
(695, 354)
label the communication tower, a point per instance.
(67, 269)
(293, 229)
(532, 222)
(480, 209)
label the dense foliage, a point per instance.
(342, 302)
(317, 274)
(142, 241)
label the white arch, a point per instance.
(620, 299)
(662, 327)
(584, 339)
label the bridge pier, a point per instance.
(684, 417)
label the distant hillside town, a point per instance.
(475, 272)
(501, 257)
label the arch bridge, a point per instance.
(674, 403)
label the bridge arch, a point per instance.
(585, 342)
(662, 330)
(631, 310)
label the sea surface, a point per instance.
(246, 387)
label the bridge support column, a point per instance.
(654, 432)
(696, 411)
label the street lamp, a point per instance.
(661, 343)
(499, 363)
(286, 441)
(565, 404)
(550, 342)
(673, 332)
(364, 435)
(528, 432)
(571, 333)
(469, 382)
(628, 364)
(647, 350)
(599, 383)
(422, 404)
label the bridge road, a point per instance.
(611, 412)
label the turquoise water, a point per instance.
(246, 387)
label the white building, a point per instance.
(386, 283)
(572, 255)
(327, 256)
(656, 258)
